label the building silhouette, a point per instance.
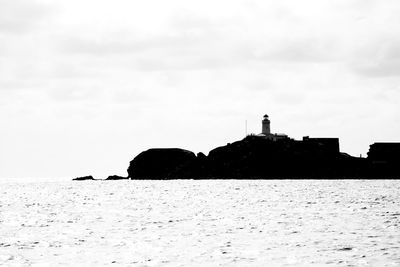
(326, 144)
(266, 130)
(266, 125)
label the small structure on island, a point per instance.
(266, 125)
(326, 144)
(266, 130)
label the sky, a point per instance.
(86, 85)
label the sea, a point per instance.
(201, 223)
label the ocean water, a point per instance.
(201, 223)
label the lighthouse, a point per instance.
(266, 129)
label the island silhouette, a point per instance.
(266, 156)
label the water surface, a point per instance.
(201, 223)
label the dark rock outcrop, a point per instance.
(384, 160)
(251, 158)
(83, 178)
(116, 177)
(162, 163)
(255, 157)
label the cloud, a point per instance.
(193, 40)
(18, 16)
(75, 93)
(297, 50)
(200, 50)
(381, 60)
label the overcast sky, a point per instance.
(87, 85)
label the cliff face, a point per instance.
(250, 158)
(385, 152)
(384, 160)
(161, 163)
(255, 157)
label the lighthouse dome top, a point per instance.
(265, 116)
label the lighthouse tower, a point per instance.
(266, 125)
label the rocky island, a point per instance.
(84, 178)
(268, 156)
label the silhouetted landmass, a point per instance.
(161, 163)
(255, 157)
(116, 177)
(265, 157)
(83, 178)
(384, 159)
